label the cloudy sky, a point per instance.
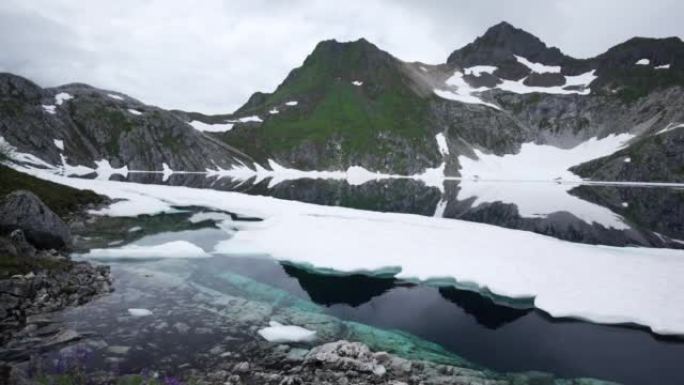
(210, 55)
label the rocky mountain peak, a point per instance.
(500, 43)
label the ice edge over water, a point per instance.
(597, 283)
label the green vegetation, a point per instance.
(332, 108)
(63, 200)
(12, 265)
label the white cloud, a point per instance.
(211, 55)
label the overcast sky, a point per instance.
(210, 55)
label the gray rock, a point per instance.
(42, 227)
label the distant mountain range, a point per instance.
(505, 100)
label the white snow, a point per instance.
(59, 144)
(662, 67)
(62, 97)
(357, 83)
(23, 157)
(442, 144)
(292, 103)
(134, 229)
(134, 112)
(204, 127)
(50, 109)
(440, 208)
(463, 98)
(599, 283)
(539, 161)
(423, 69)
(66, 169)
(253, 118)
(139, 312)
(582, 80)
(277, 332)
(627, 160)
(479, 70)
(537, 67)
(105, 170)
(670, 127)
(115, 96)
(175, 249)
(273, 111)
(459, 90)
(625, 204)
(211, 215)
(354, 175)
(643, 62)
(166, 172)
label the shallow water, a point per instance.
(467, 324)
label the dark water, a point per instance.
(608, 215)
(498, 337)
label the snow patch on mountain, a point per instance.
(134, 112)
(643, 62)
(50, 109)
(581, 82)
(539, 161)
(357, 83)
(537, 67)
(662, 67)
(670, 127)
(115, 96)
(59, 144)
(292, 103)
(456, 88)
(442, 144)
(253, 118)
(62, 97)
(204, 127)
(479, 70)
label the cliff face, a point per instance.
(84, 125)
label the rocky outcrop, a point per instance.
(81, 125)
(51, 283)
(42, 227)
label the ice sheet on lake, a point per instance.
(598, 283)
(277, 332)
(175, 249)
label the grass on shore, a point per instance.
(63, 200)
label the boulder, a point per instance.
(42, 227)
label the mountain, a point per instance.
(348, 104)
(505, 106)
(82, 125)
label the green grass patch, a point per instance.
(61, 199)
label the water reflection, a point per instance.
(609, 215)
